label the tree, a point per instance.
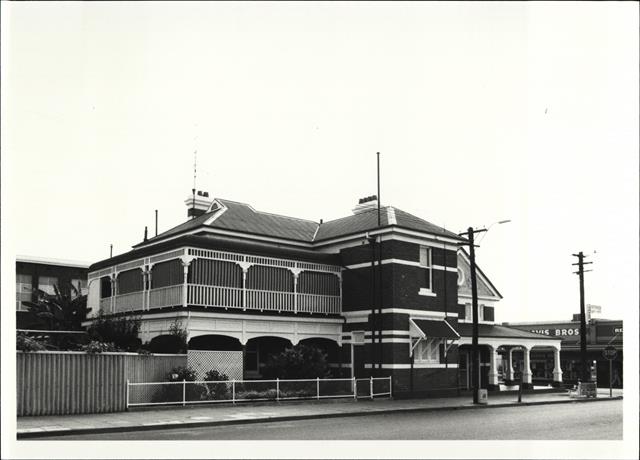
(62, 311)
(299, 362)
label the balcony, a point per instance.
(207, 278)
(222, 297)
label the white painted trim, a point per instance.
(216, 213)
(422, 314)
(416, 366)
(389, 340)
(389, 332)
(482, 298)
(496, 342)
(427, 292)
(426, 239)
(217, 315)
(441, 267)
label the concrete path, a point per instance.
(226, 414)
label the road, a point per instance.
(595, 420)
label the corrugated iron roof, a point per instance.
(241, 217)
(495, 330)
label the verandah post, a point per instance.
(127, 408)
(317, 387)
(277, 389)
(355, 394)
(371, 386)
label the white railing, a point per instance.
(313, 303)
(270, 300)
(129, 302)
(214, 296)
(231, 391)
(224, 297)
(165, 296)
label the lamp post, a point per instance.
(475, 366)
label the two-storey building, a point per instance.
(377, 290)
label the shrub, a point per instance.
(121, 331)
(96, 346)
(26, 343)
(299, 362)
(216, 391)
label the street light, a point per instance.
(475, 367)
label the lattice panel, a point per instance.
(225, 362)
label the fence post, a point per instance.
(355, 394)
(127, 408)
(317, 387)
(277, 389)
(184, 392)
(233, 391)
(371, 386)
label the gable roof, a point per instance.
(241, 217)
(368, 220)
(481, 276)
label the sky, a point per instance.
(481, 112)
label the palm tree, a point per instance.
(62, 311)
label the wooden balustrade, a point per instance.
(129, 302)
(225, 297)
(214, 296)
(314, 303)
(165, 296)
(270, 300)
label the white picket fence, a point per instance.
(231, 391)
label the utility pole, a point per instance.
(372, 244)
(586, 374)
(379, 315)
(475, 367)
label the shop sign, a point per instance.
(558, 332)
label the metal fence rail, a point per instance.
(231, 391)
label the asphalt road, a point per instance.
(595, 420)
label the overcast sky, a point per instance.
(482, 112)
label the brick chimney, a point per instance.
(198, 203)
(366, 204)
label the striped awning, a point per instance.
(427, 328)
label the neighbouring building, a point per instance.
(238, 279)
(44, 273)
(601, 333)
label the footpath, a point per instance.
(242, 413)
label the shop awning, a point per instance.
(427, 328)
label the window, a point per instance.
(80, 285)
(428, 351)
(468, 312)
(425, 263)
(23, 290)
(46, 283)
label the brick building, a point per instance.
(241, 279)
